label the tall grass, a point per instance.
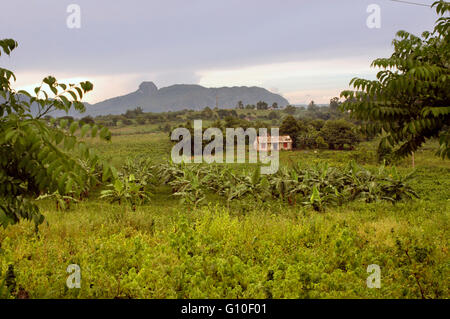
(250, 249)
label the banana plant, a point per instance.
(317, 186)
(126, 189)
(315, 200)
(142, 169)
(255, 185)
(62, 201)
(394, 187)
(168, 172)
(189, 187)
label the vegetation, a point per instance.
(317, 186)
(409, 101)
(37, 156)
(247, 248)
(154, 229)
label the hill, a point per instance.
(175, 98)
(183, 96)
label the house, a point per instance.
(266, 143)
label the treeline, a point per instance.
(337, 134)
(310, 127)
(248, 113)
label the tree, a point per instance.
(127, 122)
(312, 107)
(307, 135)
(307, 138)
(224, 113)
(240, 105)
(409, 102)
(320, 142)
(207, 113)
(334, 104)
(141, 121)
(39, 157)
(67, 118)
(290, 127)
(134, 112)
(274, 105)
(273, 115)
(339, 133)
(317, 124)
(289, 109)
(262, 105)
(87, 120)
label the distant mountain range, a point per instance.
(183, 96)
(178, 97)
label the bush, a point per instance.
(320, 142)
(384, 153)
(290, 127)
(126, 121)
(273, 115)
(338, 133)
(141, 121)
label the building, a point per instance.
(266, 143)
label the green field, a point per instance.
(249, 249)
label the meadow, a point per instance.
(246, 249)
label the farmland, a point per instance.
(104, 207)
(246, 249)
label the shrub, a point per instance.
(37, 155)
(338, 133)
(384, 153)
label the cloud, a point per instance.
(297, 81)
(215, 43)
(105, 86)
(176, 77)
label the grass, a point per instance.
(252, 250)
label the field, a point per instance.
(249, 249)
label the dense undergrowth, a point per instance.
(246, 248)
(213, 253)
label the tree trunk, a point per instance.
(413, 160)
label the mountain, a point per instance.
(183, 96)
(173, 98)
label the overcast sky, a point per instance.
(302, 49)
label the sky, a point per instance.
(302, 49)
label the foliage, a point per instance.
(312, 107)
(162, 252)
(188, 186)
(244, 248)
(289, 109)
(318, 186)
(39, 157)
(334, 104)
(62, 201)
(408, 103)
(317, 124)
(290, 127)
(142, 170)
(384, 153)
(338, 133)
(8, 283)
(127, 189)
